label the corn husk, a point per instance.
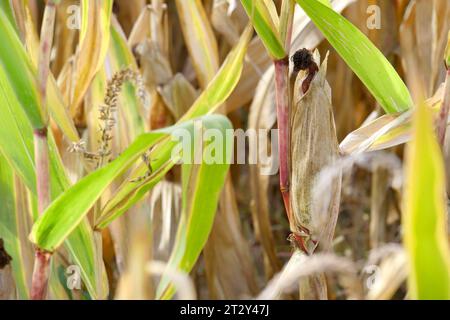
(314, 146)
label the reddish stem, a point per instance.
(283, 102)
(41, 262)
(41, 152)
(42, 168)
(40, 275)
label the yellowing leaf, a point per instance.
(262, 21)
(387, 131)
(199, 38)
(209, 100)
(202, 184)
(424, 213)
(93, 46)
(55, 104)
(15, 65)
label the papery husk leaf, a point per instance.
(314, 146)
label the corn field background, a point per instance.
(346, 196)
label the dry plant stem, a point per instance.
(379, 206)
(40, 275)
(42, 259)
(42, 168)
(47, 32)
(443, 114)
(40, 272)
(283, 102)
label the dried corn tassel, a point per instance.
(314, 146)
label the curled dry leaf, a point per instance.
(155, 65)
(178, 95)
(386, 131)
(228, 25)
(423, 47)
(301, 265)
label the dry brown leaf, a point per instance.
(92, 50)
(379, 206)
(127, 12)
(135, 283)
(230, 26)
(178, 95)
(263, 117)
(230, 270)
(141, 28)
(423, 47)
(65, 38)
(199, 38)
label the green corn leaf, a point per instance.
(202, 184)
(5, 6)
(66, 212)
(13, 220)
(368, 63)
(16, 141)
(16, 144)
(16, 134)
(55, 105)
(15, 64)
(326, 3)
(28, 65)
(211, 98)
(81, 247)
(424, 214)
(121, 58)
(265, 27)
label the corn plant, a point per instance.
(99, 201)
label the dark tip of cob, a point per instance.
(302, 59)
